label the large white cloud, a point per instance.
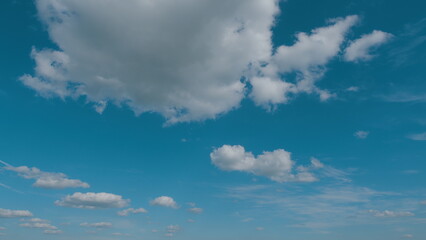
(7, 213)
(187, 60)
(92, 200)
(359, 50)
(276, 165)
(50, 180)
(183, 59)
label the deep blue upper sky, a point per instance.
(370, 134)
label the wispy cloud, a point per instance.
(417, 137)
(50, 180)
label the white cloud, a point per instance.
(196, 210)
(50, 231)
(97, 224)
(361, 134)
(40, 223)
(7, 213)
(359, 50)
(2, 228)
(387, 213)
(49, 180)
(168, 58)
(121, 234)
(182, 59)
(352, 89)
(408, 236)
(260, 228)
(417, 137)
(307, 58)
(276, 165)
(164, 201)
(92, 200)
(128, 211)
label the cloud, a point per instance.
(42, 224)
(408, 236)
(307, 58)
(50, 231)
(128, 211)
(352, 89)
(276, 165)
(359, 49)
(97, 225)
(168, 58)
(92, 200)
(417, 137)
(260, 228)
(182, 59)
(121, 234)
(423, 202)
(196, 210)
(361, 134)
(171, 230)
(7, 213)
(164, 201)
(388, 213)
(50, 180)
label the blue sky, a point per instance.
(212, 120)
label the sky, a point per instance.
(214, 120)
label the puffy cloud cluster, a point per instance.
(7, 213)
(359, 49)
(49, 180)
(187, 60)
(128, 211)
(276, 165)
(165, 201)
(92, 200)
(387, 213)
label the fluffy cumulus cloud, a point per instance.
(387, 213)
(359, 49)
(187, 60)
(276, 165)
(97, 224)
(129, 211)
(7, 213)
(50, 180)
(165, 201)
(183, 59)
(307, 58)
(92, 200)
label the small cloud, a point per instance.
(128, 211)
(50, 180)
(359, 50)
(97, 225)
(52, 231)
(408, 236)
(411, 172)
(196, 210)
(276, 165)
(247, 220)
(190, 220)
(388, 213)
(423, 202)
(121, 234)
(7, 213)
(92, 200)
(417, 137)
(260, 228)
(164, 201)
(352, 89)
(361, 134)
